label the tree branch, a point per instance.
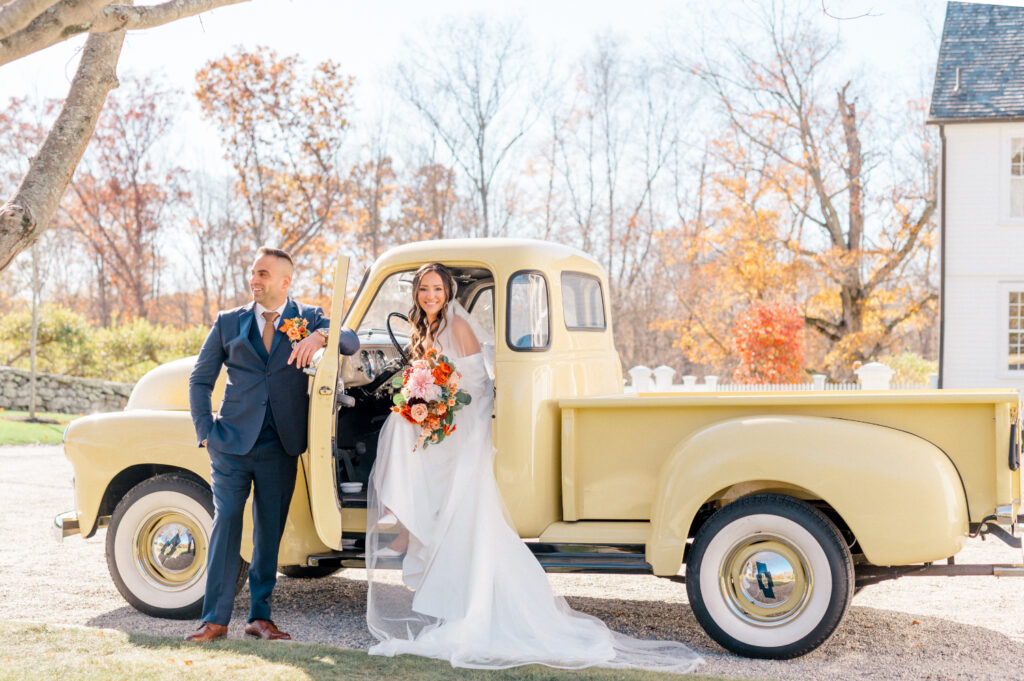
(68, 18)
(28, 213)
(828, 329)
(17, 14)
(910, 312)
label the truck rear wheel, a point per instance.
(769, 576)
(157, 543)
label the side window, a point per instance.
(1017, 177)
(482, 310)
(582, 302)
(528, 326)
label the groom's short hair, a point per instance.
(276, 252)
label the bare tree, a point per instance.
(213, 247)
(476, 88)
(27, 26)
(612, 144)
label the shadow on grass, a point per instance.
(332, 664)
(325, 613)
(331, 612)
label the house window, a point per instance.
(1015, 332)
(1017, 177)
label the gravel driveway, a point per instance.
(913, 628)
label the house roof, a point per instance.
(983, 47)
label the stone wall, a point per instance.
(61, 394)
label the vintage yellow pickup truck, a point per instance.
(772, 507)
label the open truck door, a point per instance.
(325, 505)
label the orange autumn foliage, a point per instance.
(282, 125)
(768, 339)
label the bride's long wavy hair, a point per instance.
(421, 330)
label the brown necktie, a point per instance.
(268, 330)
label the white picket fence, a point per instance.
(873, 376)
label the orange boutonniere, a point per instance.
(295, 329)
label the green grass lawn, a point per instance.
(14, 430)
(34, 651)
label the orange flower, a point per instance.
(294, 328)
(406, 413)
(442, 409)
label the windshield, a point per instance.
(394, 295)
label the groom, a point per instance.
(257, 435)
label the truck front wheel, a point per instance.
(157, 542)
(769, 576)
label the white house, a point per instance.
(978, 105)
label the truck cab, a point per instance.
(550, 340)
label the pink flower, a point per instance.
(418, 412)
(420, 364)
(420, 383)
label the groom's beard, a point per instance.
(263, 298)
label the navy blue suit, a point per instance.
(253, 444)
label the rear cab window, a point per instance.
(582, 302)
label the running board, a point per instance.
(618, 558)
(873, 574)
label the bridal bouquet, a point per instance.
(428, 396)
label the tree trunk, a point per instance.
(28, 213)
(35, 334)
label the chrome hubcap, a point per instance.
(766, 580)
(170, 549)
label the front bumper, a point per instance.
(65, 524)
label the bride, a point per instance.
(471, 592)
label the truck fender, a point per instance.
(102, 446)
(899, 494)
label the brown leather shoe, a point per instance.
(207, 633)
(266, 630)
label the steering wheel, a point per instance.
(391, 334)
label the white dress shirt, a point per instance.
(262, 321)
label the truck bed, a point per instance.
(614, 447)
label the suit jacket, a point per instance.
(254, 379)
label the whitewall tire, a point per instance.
(157, 545)
(769, 576)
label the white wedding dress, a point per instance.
(471, 592)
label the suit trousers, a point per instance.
(270, 473)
